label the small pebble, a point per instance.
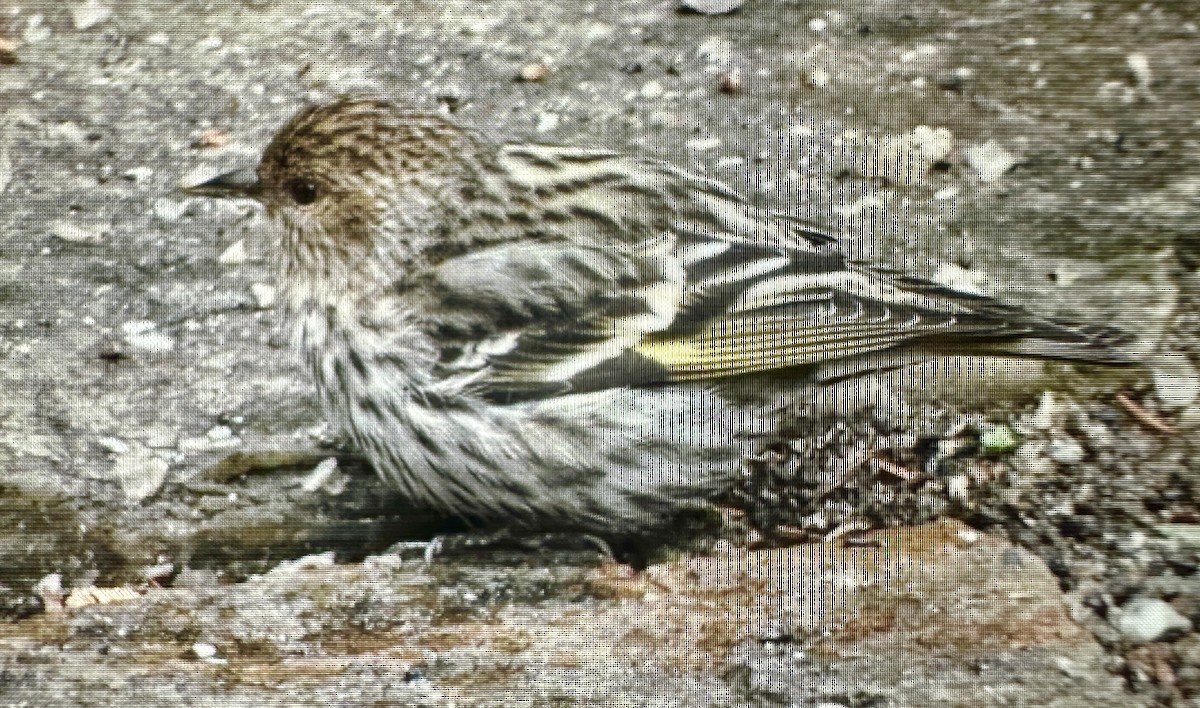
(1149, 620)
(50, 590)
(73, 233)
(210, 43)
(8, 51)
(1097, 434)
(263, 294)
(958, 486)
(1047, 410)
(712, 7)
(36, 30)
(704, 144)
(143, 334)
(213, 137)
(234, 255)
(138, 174)
(207, 652)
(140, 473)
(547, 122)
(998, 438)
(116, 446)
(89, 15)
(1139, 66)
(169, 209)
(320, 475)
(1065, 451)
(955, 80)
(990, 160)
(651, 90)
(1176, 383)
(1185, 535)
(933, 144)
(156, 571)
(198, 175)
(731, 81)
(533, 71)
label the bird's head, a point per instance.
(362, 192)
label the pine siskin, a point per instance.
(551, 337)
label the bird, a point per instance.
(562, 338)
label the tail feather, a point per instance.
(1084, 343)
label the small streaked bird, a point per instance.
(556, 338)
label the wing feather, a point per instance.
(668, 276)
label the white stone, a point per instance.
(1176, 383)
(263, 294)
(1149, 620)
(547, 122)
(36, 30)
(116, 446)
(651, 89)
(1139, 65)
(234, 255)
(958, 486)
(210, 43)
(89, 15)
(932, 143)
(170, 209)
(320, 475)
(143, 335)
(73, 233)
(715, 49)
(704, 144)
(1065, 451)
(990, 160)
(138, 174)
(1047, 411)
(204, 651)
(713, 7)
(198, 175)
(140, 473)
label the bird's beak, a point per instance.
(239, 184)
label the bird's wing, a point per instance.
(530, 319)
(723, 289)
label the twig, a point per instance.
(1144, 416)
(896, 470)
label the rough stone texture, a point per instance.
(932, 615)
(1043, 153)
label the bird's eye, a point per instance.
(302, 191)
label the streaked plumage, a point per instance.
(544, 334)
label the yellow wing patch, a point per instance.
(733, 347)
